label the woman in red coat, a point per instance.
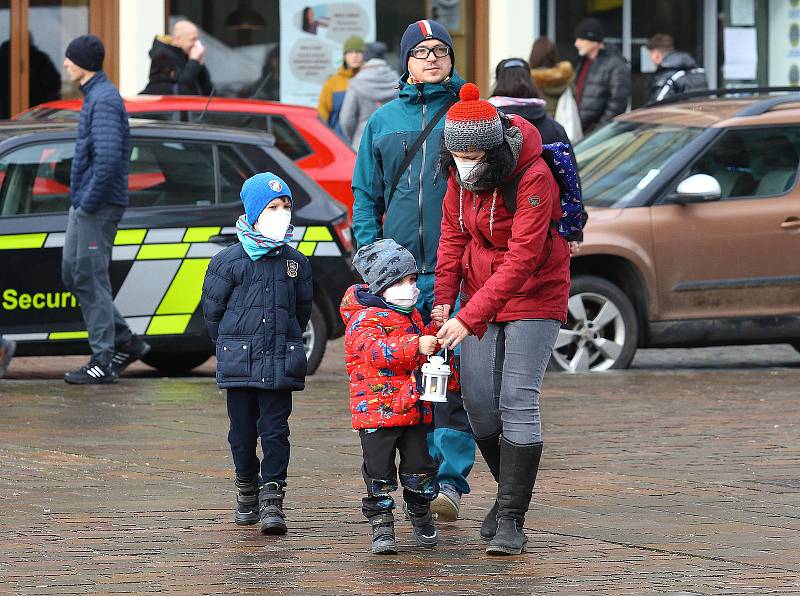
(510, 269)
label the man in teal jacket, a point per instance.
(413, 216)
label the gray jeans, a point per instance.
(84, 271)
(501, 377)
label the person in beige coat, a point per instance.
(551, 75)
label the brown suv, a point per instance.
(694, 231)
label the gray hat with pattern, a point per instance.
(383, 263)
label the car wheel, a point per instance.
(315, 338)
(175, 362)
(601, 328)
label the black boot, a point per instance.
(383, 541)
(519, 465)
(246, 502)
(270, 508)
(490, 450)
(422, 525)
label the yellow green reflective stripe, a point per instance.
(13, 241)
(307, 248)
(317, 234)
(69, 335)
(168, 324)
(200, 234)
(162, 251)
(183, 294)
(129, 237)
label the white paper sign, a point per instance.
(312, 43)
(743, 13)
(741, 54)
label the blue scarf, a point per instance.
(255, 244)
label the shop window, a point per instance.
(757, 162)
(166, 173)
(35, 179)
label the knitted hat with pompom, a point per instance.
(472, 123)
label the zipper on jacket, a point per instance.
(421, 175)
(405, 154)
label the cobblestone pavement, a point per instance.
(654, 480)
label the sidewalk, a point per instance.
(652, 482)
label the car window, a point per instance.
(618, 161)
(35, 179)
(233, 171)
(261, 160)
(287, 139)
(169, 172)
(755, 162)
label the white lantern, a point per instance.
(435, 374)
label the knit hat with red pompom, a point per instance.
(472, 123)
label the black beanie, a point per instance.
(590, 29)
(87, 51)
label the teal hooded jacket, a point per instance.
(413, 218)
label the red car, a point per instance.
(299, 133)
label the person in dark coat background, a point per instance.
(98, 197)
(44, 83)
(257, 297)
(177, 63)
(677, 71)
(603, 82)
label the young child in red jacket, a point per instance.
(386, 343)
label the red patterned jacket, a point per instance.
(381, 350)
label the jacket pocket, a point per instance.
(296, 363)
(233, 356)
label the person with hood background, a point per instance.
(510, 267)
(332, 94)
(603, 83)
(177, 63)
(550, 75)
(677, 72)
(374, 85)
(398, 196)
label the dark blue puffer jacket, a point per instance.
(100, 167)
(256, 312)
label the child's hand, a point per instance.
(439, 314)
(428, 344)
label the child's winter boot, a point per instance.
(422, 526)
(270, 508)
(246, 502)
(383, 541)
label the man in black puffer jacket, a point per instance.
(677, 71)
(178, 63)
(603, 82)
(98, 197)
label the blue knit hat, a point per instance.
(259, 191)
(419, 31)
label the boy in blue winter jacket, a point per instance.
(256, 302)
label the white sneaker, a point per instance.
(447, 503)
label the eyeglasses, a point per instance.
(422, 53)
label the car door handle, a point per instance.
(223, 239)
(791, 223)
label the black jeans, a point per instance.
(417, 469)
(258, 413)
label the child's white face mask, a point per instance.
(402, 295)
(273, 224)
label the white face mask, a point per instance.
(465, 168)
(273, 224)
(403, 295)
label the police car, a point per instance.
(184, 185)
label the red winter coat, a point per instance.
(519, 270)
(381, 350)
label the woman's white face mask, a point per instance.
(402, 295)
(273, 223)
(465, 168)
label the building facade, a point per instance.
(739, 42)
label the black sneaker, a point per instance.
(423, 528)
(92, 373)
(128, 353)
(7, 349)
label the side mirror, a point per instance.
(698, 188)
